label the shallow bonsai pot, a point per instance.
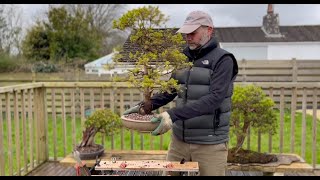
(92, 155)
(139, 125)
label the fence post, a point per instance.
(294, 70)
(244, 75)
(40, 113)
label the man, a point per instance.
(200, 121)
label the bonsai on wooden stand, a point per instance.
(250, 108)
(104, 121)
(157, 53)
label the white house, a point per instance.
(271, 41)
(267, 42)
(99, 66)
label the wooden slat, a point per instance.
(17, 131)
(293, 118)
(282, 106)
(73, 118)
(270, 135)
(24, 131)
(141, 134)
(20, 87)
(102, 107)
(82, 107)
(131, 131)
(314, 128)
(2, 161)
(304, 124)
(259, 141)
(54, 121)
(112, 108)
(249, 138)
(9, 127)
(31, 120)
(121, 112)
(64, 123)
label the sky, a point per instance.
(224, 15)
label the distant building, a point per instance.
(99, 66)
(267, 42)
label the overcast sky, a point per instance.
(224, 15)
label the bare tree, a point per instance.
(10, 28)
(102, 16)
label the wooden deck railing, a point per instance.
(30, 112)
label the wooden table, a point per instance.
(121, 155)
(271, 170)
(136, 160)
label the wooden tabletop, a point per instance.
(120, 155)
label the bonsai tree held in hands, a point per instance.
(102, 120)
(158, 51)
(251, 108)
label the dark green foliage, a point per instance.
(251, 107)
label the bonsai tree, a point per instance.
(103, 121)
(157, 51)
(251, 108)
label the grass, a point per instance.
(147, 138)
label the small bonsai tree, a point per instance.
(251, 107)
(157, 51)
(102, 120)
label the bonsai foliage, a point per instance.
(103, 121)
(251, 107)
(158, 51)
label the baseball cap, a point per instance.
(194, 20)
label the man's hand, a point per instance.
(134, 109)
(165, 123)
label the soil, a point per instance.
(89, 149)
(136, 116)
(248, 156)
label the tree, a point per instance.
(36, 44)
(251, 107)
(102, 120)
(101, 17)
(158, 51)
(10, 29)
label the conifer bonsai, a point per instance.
(250, 108)
(158, 52)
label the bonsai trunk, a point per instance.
(147, 105)
(242, 135)
(88, 137)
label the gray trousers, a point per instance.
(212, 159)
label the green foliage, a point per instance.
(251, 107)
(43, 67)
(63, 36)
(158, 50)
(6, 63)
(105, 121)
(36, 43)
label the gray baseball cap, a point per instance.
(194, 20)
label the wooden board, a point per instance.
(148, 165)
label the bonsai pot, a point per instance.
(86, 153)
(143, 126)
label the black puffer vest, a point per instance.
(195, 83)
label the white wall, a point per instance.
(307, 51)
(274, 51)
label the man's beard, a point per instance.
(204, 39)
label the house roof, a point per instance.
(256, 34)
(101, 61)
(302, 33)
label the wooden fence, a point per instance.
(249, 71)
(31, 107)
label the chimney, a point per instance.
(270, 25)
